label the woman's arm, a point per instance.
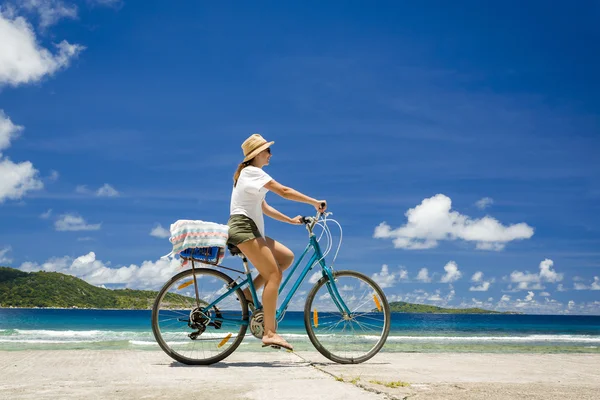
(273, 213)
(291, 194)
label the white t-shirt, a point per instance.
(248, 195)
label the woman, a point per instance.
(247, 232)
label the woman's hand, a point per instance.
(318, 205)
(297, 220)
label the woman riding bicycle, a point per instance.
(247, 232)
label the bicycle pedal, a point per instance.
(276, 347)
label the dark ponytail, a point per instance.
(238, 171)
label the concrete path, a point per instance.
(106, 374)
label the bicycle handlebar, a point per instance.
(310, 221)
(306, 220)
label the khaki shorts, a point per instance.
(241, 229)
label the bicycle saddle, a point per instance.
(233, 250)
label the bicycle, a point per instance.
(201, 315)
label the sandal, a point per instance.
(278, 344)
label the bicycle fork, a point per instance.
(335, 295)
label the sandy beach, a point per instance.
(107, 374)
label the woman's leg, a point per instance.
(284, 258)
(260, 255)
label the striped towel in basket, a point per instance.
(191, 234)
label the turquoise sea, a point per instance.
(25, 329)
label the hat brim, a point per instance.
(255, 152)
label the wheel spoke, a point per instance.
(348, 338)
(195, 335)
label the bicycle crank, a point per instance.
(257, 325)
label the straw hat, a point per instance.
(254, 145)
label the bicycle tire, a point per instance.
(334, 355)
(156, 329)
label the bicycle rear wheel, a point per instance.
(341, 337)
(192, 333)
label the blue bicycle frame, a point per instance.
(317, 256)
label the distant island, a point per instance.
(401, 306)
(56, 290)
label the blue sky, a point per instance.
(460, 139)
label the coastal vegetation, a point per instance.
(401, 306)
(53, 289)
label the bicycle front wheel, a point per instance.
(189, 331)
(347, 337)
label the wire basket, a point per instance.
(207, 255)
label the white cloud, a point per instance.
(546, 273)
(420, 296)
(477, 277)
(544, 294)
(435, 297)
(22, 60)
(17, 179)
(82, 189)
(529, 296)
(3, 255)
(72, 222)
(433, 220)
(530, 281)
(107, 3)
(546, 305)
(452, 273)
(483, 287)
(54, 175)
(384, 278)
(148, 275)
(476, 303)
(394, 297)
(314, 278)
(50, 11)
(451, 294)
(47, 214)
(561, 288)
(482, 204)
(107, 191)
(8, 131)
(582, 286)
(423, 275)
(403, 274)
(490, 246)
(530, 286)
(160, 232)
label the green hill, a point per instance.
(53, 289)
(401, 306)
